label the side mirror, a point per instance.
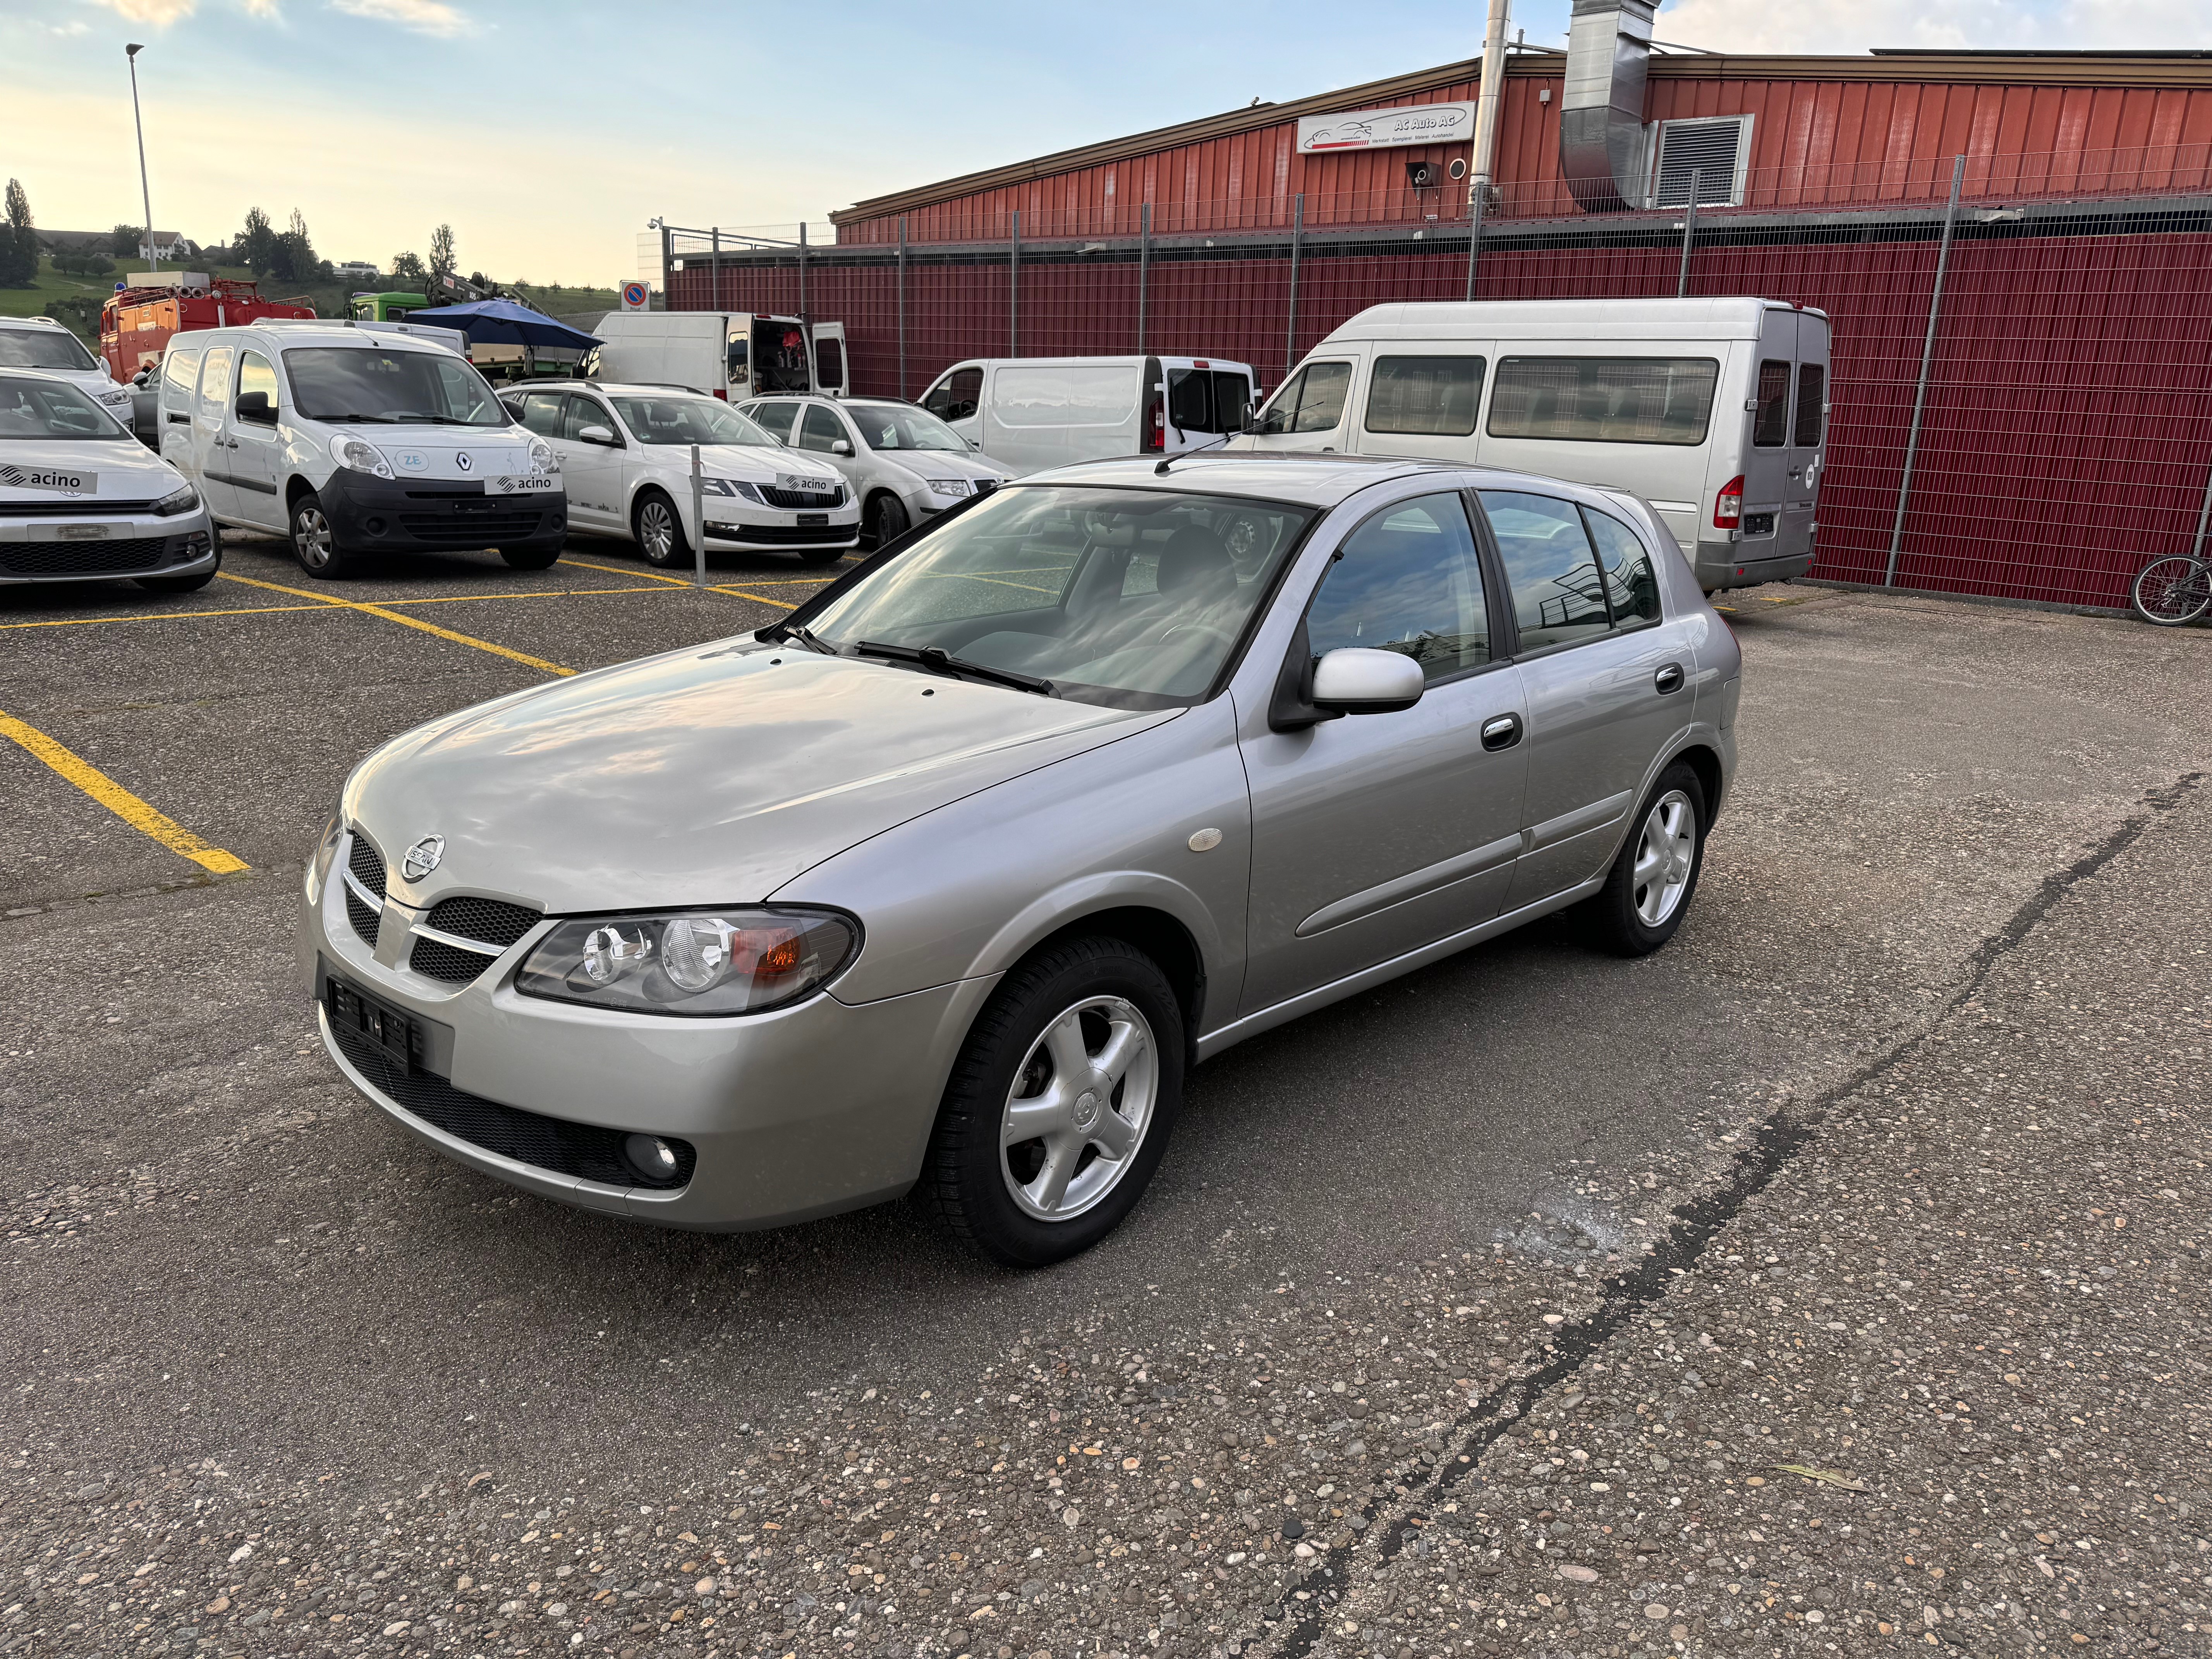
(596, 434)
(253, 406)
(1355, 680)
(841, 446)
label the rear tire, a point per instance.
(190, 584)
(2173, 591)
(1084, 1042)
(315, 543)
(887, 519)
(1654, 875)
(659, 528)
(528, 557)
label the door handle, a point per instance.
(1501, 732)
(181, 420)
(1668, 679)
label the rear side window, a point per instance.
(829, 362)
(1190, 399)
(179, 370)
(1812, 404)
(1608, 400)
(1769, 425)
(1631, 587)
(1558, 597)
(775, 418)
(1407, 580)
(1430, 395)
(1312, 400)
(541, 412)
(215, 382)
(1232, 400)
(738, 356)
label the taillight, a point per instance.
(1727, 506)
(1157, 437)
(722, 393)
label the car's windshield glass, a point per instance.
(1131, 598)
(43, 347)
(688, 420)
(51, 408)
(342, 383)
(893, 426)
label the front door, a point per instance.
(822, 427)
(956, 399)
(210, 441)
(1374, 834)
(591, 468)
(1766, 457)
(1308, 412)
(256, 453)
(1809, 432)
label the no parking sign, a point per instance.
(634, 296)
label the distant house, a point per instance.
(168, 245)
(355, 270)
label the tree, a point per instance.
(441, 252)
(257, 243)
(124, 241)
(83, 262)
(293, 256)
(18, 243)
(408, 273)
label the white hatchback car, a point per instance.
(905, 465)
(42, 343)
(626, 453)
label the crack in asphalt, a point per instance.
(1780, 1136)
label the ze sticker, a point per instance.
(412, 460)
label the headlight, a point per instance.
(732, 487)
(691, 963)
(359, 455)
(181, 501)
(117, 395)
(949, 486)
(542, 458)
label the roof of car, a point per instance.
(1320, 480)
(518, 387)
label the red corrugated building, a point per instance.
(2067, 435)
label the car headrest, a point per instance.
(1194, 565)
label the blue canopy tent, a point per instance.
(502, 322)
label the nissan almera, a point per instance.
(946, 881)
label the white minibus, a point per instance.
(1029, 413)
(1713, 410)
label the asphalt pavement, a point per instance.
(1826, 1282)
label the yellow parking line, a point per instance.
(757, 599)
(616, 570)
(121, 802)
(405, 621)
(165, 615)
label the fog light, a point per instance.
(653, 1158)
(375, 526)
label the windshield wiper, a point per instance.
(377, 420)
(938, 661)
(799, 631)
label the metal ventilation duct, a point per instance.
(1602, 114)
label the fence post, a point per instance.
(2203, 517)
(1689, 230)
(1014, 290)
(1480, 193)
(1144, 268)
(668, 259)
(802, 277)
(716, 233)
(1291, 337)
(901, 304)
(1927, 356)
(698, 519)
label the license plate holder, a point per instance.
(399, 1035)
(808, 520)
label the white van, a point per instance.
(1029, 413)
(354, 441)
(1715, 412)
(734, 355)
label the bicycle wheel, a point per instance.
(2173, 591)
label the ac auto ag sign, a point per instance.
(1381, 129)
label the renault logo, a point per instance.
(423, 857)
(463, 462)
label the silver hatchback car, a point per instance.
(946, 881)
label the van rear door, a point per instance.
(1767, 456)
(738, 356)
(833, 373)
(1808, 434)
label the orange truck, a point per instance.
(136, 324)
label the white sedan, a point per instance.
(905, 465)
(625, 456)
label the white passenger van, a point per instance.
(1714, 410)
(352, 440)
(733, 354)
(1029, 413)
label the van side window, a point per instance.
(1407, 580)
(1190, 400)
(215, 382)
(829, 362)
(1631, 587)
(179, 370)
(1432, 395)
(1612, 400)
(1812, 401)
(1232, 400)
(255, 375)
(1559, 596)
(1770, 426)
(737, 357)
(1311, 401)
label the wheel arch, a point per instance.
(1160, 935)
(295, 487)
(1705, 761)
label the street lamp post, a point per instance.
(145, 196)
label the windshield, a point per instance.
(684, 419)
(43, 347)
(1130, 597)
(51, 408)
(892, 426)
(345, 384)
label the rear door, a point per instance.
(210, 441)
(1766, 463)
(180, 373)
(737, 356)
(833, 374)
(592, 472)
(1809, 433)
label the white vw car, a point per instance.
(625, 452)
(905, 465)
(40, 342)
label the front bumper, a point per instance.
(771, 531)
(803, 1112)
(437, 514)
(58, 550)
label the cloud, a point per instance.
(160, 13)
(423, 16)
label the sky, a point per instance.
(548, 133)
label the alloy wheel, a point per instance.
(1666, 853)
(656, 532)
(1078, 1108)
(311, 536)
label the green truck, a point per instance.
(386, 307)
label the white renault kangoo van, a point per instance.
(1029, 413)
(353, 441)
(1713, 410)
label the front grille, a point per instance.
(366, 921)
(442, 961)
(785, 535)
(469, 529)
(487, 920)
(582, 1150)
(368, 867)
(465, 493)
(800, 500)
(104, 558)
(74, 509)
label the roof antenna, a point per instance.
(1161, 471)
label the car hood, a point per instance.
(756, 463)
(705, 776)
(40, 471)
(942, 464)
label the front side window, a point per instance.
(181, 372)
(959, 395)
(1631, 587)
(34, 409)
(43, 347)
(350, 385)
(1812, 405)
(215, 381)
(687, 418)
(1311, 401)
(773, 418)
(1133, 598)
(900, 426)
(1613, 400)
(1769, 425)
(1559, 596)
(255, 375)
(819, 428)
(1432, 396)
(587, 413)
(1407, 580)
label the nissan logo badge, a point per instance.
(423, 857)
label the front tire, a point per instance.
(1060, 1105)
(2173, 591)
(887, 519)
(1654, 875)
(315, 543)
(532, 556)
(659, 531)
